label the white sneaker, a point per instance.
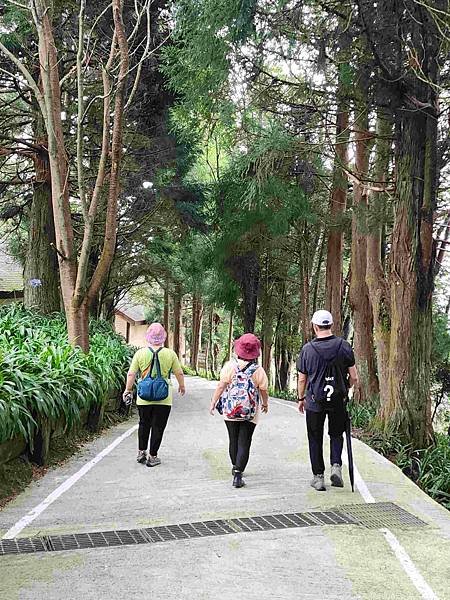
(318, 483)
(336, 476)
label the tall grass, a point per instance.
(43, 378)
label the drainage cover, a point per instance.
(382, 514)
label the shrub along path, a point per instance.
(194, 484)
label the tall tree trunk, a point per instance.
(209, 349)
(283, 363)
(408, 410)
(197, 319)
(178, 320)
(41, 289)
(211, 337)
(166, 314)
(358, 293)
(317, 271)
(267, 324)
(375, 272)
(230, 335)
(305, 315)
(77, 294)
(245, 270)
(338, 203)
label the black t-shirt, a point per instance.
(311, 364)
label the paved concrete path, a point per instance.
(194, 483)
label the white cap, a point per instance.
(322, 318)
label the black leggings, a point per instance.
(152, 417)
(240, 434)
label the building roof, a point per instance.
(134, 313)
(11, 272)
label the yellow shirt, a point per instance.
(169, 363)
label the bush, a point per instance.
(42, 377)
(429, 468)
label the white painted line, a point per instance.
(402, 556)
(66, 485)
(359, 481)
(409, 567)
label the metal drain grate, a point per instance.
(383, 514)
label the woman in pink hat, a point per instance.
(241, 395)
(153, 416)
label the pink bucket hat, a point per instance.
(247, 346)
(156, 334)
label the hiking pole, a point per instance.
(348, 436)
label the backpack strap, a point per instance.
(155, 359)
(247, 366)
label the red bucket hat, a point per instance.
(247, 346)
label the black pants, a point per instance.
(240, 435)
(315, 422)
(152, 417)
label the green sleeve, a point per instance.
(134, 367)
(176, 366)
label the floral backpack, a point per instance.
(240, 399)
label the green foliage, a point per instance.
(441, 338)
(429, 468)
(42, 377)
(361, 414)
(441, 369)
(283, 394)
(201, 373)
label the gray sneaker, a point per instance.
(317, 482)
(142, 456)
(152, 461)
(336, 476)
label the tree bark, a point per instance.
(76, 294)
(282, 362)
(177, 317)
(305, 315)
(58, 166)
(245, 270)
(230, 335)
(267, 312)
(408, 410)
(375, 273)
(316, 277)
(166, 316)
(358, 293)
(197, 319)
(338, 203)
(41, 286)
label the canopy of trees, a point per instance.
(254, 160)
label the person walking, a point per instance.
(326, 370)
(153, 415)
(241, 395)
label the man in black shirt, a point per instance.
(313, 366)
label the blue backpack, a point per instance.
(153, 389)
